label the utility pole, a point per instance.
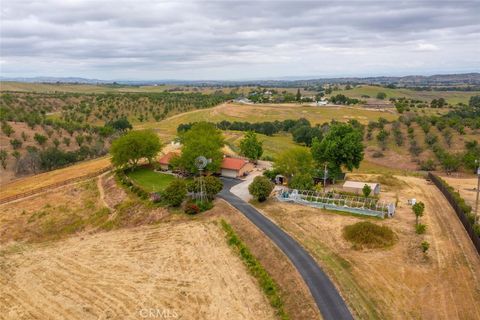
(325, 173)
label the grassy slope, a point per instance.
(452, 97)
(150, 180)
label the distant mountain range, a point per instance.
(407, 81)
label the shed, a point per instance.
(235, 167)
(357, 187)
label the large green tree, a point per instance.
(251, 147)
(130, 148)
(294, 161)
(203, 139)
(341, 146)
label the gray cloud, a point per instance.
(114, 39)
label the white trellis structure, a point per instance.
(339, 202)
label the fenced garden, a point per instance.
(369, 206)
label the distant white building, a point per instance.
(322, 102)
(357, 187)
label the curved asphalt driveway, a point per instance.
(326, 296)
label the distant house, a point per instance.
(235, 167)
(322, 102)
(165, 160)
(357, 187)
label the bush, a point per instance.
(369, 235)
(191, 208)
(213, 186)
(425, 246)
(260, 188)
(428, 165)
(175, 192)
(420, 228)
(301, 182)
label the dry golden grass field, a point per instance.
(397, 282)
(184, 268)
(59, 259)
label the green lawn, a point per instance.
(150, 180)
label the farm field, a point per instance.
(123, 273)
(267, 112)
(397, 282)
(152, 181)
(466, 186)
(52, 177)
(452, 97)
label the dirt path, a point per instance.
(101, 191)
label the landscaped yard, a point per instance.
(150, 180)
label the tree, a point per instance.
(250, 147)
(341, 146)
(79, 140)
(447, 135)
(299, 95)
(366, 190)
(418, 209)
(260, 188)
(425, 246)
(121, 124)
(56, 142)
(40, 139)
(130, 148)
(213, 186)
(294, 161)
(66, 141)
(474, 102)
(381, 95)
(175, 192)
(16, 144)
(7, 129)
(302, 181)
(203, 139)
(382, 138)
(3, 158)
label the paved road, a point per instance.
(326, 296)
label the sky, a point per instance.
(237, 40)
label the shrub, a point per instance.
(369, 235)
(301, 182)
(427, 165)
(420, 228)
(425, 246)
(366, 190)
(213, 186)
(175, 192)
(260, 188)
(191, 208)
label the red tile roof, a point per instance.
(233, 163)
(166, 158)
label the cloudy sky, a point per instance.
(118, 39)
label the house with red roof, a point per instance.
(165, 160)
(235, 167)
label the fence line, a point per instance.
(460, 213)
(54, 185)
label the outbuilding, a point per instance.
(357, 187)
(235, 167)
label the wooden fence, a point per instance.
(54, 185)
(460, 213)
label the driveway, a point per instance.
(241, 188)
(326, 296)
